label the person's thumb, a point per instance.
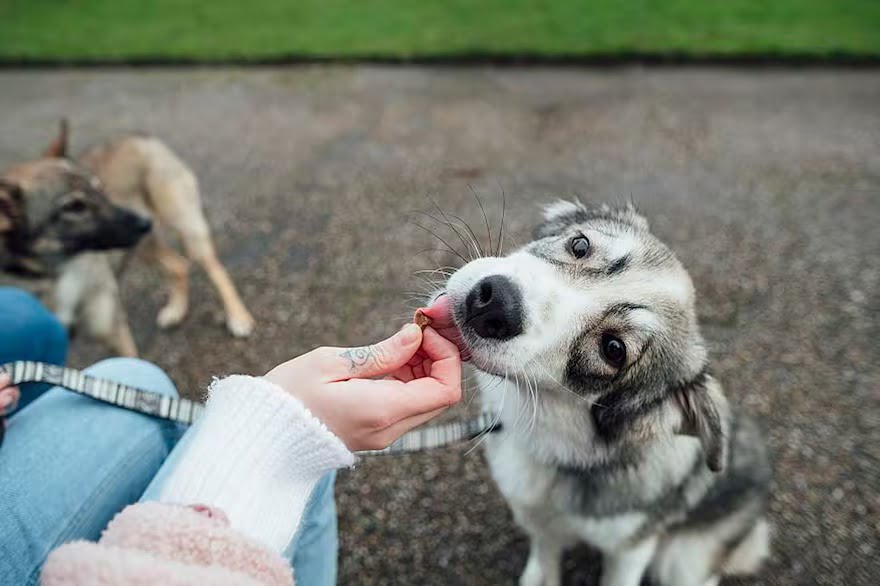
(382, 357)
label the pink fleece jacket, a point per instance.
(256, 455)
(154, 543)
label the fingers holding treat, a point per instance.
(422, 319)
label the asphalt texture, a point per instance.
(765, 182)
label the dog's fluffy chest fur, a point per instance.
(561, 479)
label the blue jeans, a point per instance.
(29, 332)
(69, 463)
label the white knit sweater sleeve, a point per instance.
(257, 454)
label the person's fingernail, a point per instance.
(410, 333)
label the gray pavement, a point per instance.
(767, 183)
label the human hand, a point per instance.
(421, 373)
(9, 394)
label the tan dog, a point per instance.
(140, 173)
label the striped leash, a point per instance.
(187, 411)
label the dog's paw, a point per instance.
(170, 316)
(240, 326)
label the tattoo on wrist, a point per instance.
(362, 356)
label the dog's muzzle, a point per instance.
(494, 309)
(142, 225)
(123, 229)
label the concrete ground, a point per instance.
(767, 183)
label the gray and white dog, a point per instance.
(614, 432)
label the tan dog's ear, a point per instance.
(706, 416)
(10, 205)
(58, 148)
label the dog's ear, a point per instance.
(634, 217)
(705, 414)
(559, 215)
(58, 147)
(562, 210)
(11, 198)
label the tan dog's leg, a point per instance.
(178, 205)
(201, 249)
(173, 195)
(176, 269)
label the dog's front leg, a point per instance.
(544, 567)
(70, 290)
(626, 567)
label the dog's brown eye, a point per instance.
(613, 350)
(75, 206)
(579, 246)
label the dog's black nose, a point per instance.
(142, 224)
(493, 308)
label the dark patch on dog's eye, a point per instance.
(613, 350)
(579, 246)
(75, 206)
(619, 265)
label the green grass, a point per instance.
(266, 29)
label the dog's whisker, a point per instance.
(501, 224)
(447, 224)
(533, 397)
(473, 237)
(485, 217)
(474, 245)
(431, 272)
(523, 403)
(431, 282)
(535, 412)
(531, 401)
(519, 405)
(471, 398)
(443, 251)
(418, 300)
(428, 289)
(578, 396)
(483, 435)
(446, 218)
(440, 238)
(424, 291)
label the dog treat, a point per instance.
(421, 319)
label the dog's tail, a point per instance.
(58, 147)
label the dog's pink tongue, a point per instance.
(440, 313)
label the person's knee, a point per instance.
(36, 324)
(135, 372)
(19, 297)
